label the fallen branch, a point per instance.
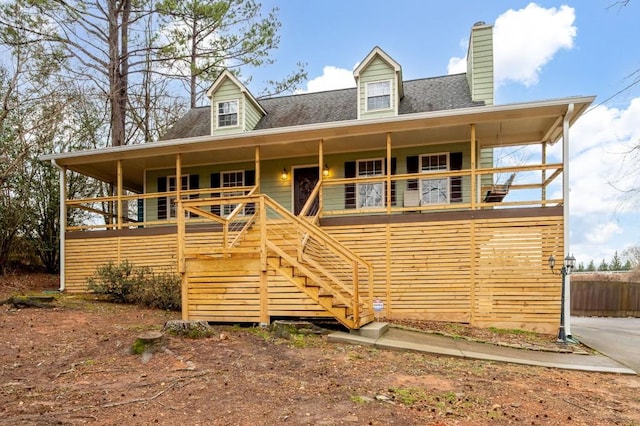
(20, 302)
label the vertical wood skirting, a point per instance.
(472, 274)
(388, 270)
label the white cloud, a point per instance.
(332, 78)
(524, 41)
(603, 232)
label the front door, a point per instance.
(304, 181)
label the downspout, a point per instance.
(565, 214)
(63, 219)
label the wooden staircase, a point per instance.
(320, 267)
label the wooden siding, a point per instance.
(377, 70)
(84, 255)
(487, 270)
(483, 271)
(480, 64)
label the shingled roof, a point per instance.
(423, 95)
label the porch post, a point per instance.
(388, 192)
(182, 270)
(543, 194)
(178, 177)
(473, 167)
(63, 220)
(565, 215)
(320, 173)
(119, 195)
(264, 283)
(257, 167)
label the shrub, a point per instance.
(160, 290)
(126, 283)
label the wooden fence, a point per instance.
(605, 298)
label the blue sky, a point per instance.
(543, 50)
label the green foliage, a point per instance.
(603, 266)
(126, 283)
(591, 267)
(616, 263)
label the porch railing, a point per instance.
(385, 194)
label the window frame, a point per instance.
(367, 96)
(219, 114)
(171, 205)
(361, 185)
(446, 180)
(227, 209)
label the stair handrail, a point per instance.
(310, 201)
(331, 240)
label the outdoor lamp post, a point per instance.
(567, 267)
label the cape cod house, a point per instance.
(317, 204)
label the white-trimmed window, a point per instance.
(434, 190)
(228, 113)
(171, 186)
(378, 95)
(232, 179)
(370, 194)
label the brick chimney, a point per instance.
(480, 63)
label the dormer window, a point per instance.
(379, 95)
(228, 113)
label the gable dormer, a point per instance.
(233, 107)
(379, 83)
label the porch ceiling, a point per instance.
(514, 124)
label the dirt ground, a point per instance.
(71, 364)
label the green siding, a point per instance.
(227, 91)
(252, 114)
(377, 70)
(480, 64)
(281, 191)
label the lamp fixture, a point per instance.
(325, 170)
(284, 175)
(567, 266)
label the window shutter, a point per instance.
(250, 180)
(194, 183)
(455, 163)
(249, 177)
(215, 183)
(350, 188)
(162, 201)
(140, 209)
(412, 167)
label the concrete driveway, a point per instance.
(617, 338)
